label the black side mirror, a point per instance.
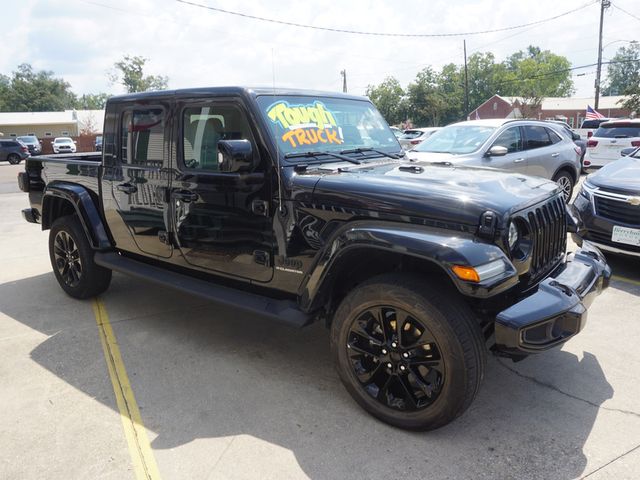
(628, 151)
(575, 136)
(237, 156)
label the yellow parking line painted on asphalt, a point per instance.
(144, 463)
(625, 280)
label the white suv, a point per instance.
(63, 145)
(610, 139)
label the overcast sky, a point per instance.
(81, 39)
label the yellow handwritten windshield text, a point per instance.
(300, 116)
(311, 136)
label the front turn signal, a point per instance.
(466, 273)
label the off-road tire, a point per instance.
(453, 325)
(67, 236)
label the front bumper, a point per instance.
(558, 310)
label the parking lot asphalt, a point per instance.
(223, 395)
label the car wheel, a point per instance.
(565, 182)
(14, 159)
(409, 352)
(72, 260)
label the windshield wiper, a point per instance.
(369, 149)
(319, 154)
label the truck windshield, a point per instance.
(303, 124)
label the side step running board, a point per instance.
(280, 310)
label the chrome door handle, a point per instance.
(554, 155)
(518, 160)
(185, 195)
(127, 188)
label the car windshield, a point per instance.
(303, 124)
(618, 130)
(28, 139)
(63, 140)
(456, 139)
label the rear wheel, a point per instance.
(14, 159)
(410, 353)
(565, 182)
(72, 260)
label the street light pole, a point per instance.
(604, 4)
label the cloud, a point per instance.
(80, 40)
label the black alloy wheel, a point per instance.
(408, 349)
(396, 358)
(72, 259)
(14, 159)
(67, 259)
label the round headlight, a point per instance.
(514, 235)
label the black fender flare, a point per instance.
(84, 206)
(444, 248)
(575, 173)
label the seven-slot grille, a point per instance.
(617, 209)
(548, 233)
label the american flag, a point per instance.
(592, 114)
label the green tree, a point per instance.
(129, 72)
(30, 91)
(624, 74)
(92, 101)
(388, 97)
(426, 101)
(451, 89)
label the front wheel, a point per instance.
(72, 260)
(565, 182)
(409, 352)
(14, 159)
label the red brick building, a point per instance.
(570, 109)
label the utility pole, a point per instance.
(466, 82)
(604, 4)
(344, 80)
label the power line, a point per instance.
(382, 34)
(624, 11)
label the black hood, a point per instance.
(446, 192)
(623, 175)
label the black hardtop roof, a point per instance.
(224, 91)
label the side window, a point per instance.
(555, 138)
(537, 137)
(510, 139)
(203, 127)
(142, 137)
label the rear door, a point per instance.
(544, 156)
(516, 157)
(136, 178)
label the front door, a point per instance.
(516, 158)
(136, 180)
(222, 220)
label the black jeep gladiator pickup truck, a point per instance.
(301, 206)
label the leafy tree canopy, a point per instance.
(130, 72)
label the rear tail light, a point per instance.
(578, 150)
(589, 134)
(592, 143)
(635, 143)
(415, 142)
(24, 149)
(586, 162)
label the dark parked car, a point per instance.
(13, 151)
(99, 143)
(609, 205)
(32, 143)
(301, 206)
